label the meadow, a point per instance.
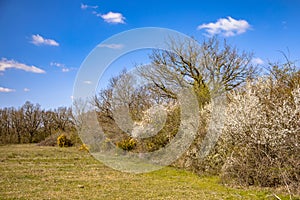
(28, 171)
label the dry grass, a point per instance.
(36, 172)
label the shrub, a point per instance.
(127, 144)
(50, 140)
(74, 137)
(192, 159)
(167, 133)
(84, 147)
(63, 141)
(260, 141)
(262, 135)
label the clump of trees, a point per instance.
(30, 123)
(259, 144)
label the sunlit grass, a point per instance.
(33, 172)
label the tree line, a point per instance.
(30, 123)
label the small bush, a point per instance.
(49, 141)
(63, 141)
(127, 144)
(84, 147)
(74, 137)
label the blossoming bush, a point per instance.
(262, 135)
(260, 140)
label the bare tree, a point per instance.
(209, 67)
(17, 123)
(63, 118)
(120, 92)
(48, 122)
(122, 103)
(32, 119)
(5, 125)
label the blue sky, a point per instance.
(43, 43)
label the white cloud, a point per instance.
(227, 27)
(61, 65)
(39, 40)
(85, 6)
(110, 17)
(26, 89)
(257, 61)
(57, 64)
(112, 46)
(65, 69)
(7, 64)
(2, 89)
(87, 82)
(114, 18)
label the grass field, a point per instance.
(33, 172)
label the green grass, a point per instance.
(33, 172)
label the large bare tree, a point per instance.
(210, 67)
